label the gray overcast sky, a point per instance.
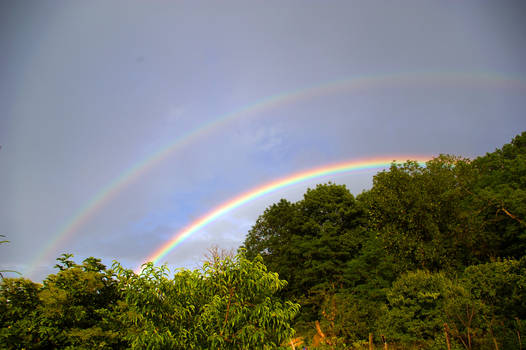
(90, 89)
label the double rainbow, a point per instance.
(94, 204)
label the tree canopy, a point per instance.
(398, 258)
(430, 254)
(229, 303)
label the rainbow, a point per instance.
(267, 188)
(94, 204)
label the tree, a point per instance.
(499, 193)
(310, 242)
(333, 225)
(19, 303)
(230, 303)
(369, 277)
(500, 287)
(76, 306)
(420, 216)
(72, 309)
(415, 307)
(276, 236)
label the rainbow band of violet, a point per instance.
(192, 228)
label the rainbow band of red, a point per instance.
(267, 188)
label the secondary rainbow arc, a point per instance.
(272, 186)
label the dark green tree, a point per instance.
(275, 236)
(310, 242)
(415, 308)
(420, 215)
(498, 194)
(500, 288)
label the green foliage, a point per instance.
(347, 318)
(499, 293)
(483, 307)
(419, 214)
(18, 304)
(434, 220)
(414, 309)
(230, 303)
(70, 310)
(355, 257)
(500, 285)
(440, 343)
(310, 242)
(428, 248)
(369, 276)
(275, 237)
(158, 312)
(499, 191)
(76, 306)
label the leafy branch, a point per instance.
(3, 271)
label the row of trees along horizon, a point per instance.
(431, 257)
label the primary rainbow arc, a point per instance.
(272, 186)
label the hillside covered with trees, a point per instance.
(430, 255)
(426, 246)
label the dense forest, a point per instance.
(431, 257)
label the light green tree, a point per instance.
(228, 304)
(71, 309)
